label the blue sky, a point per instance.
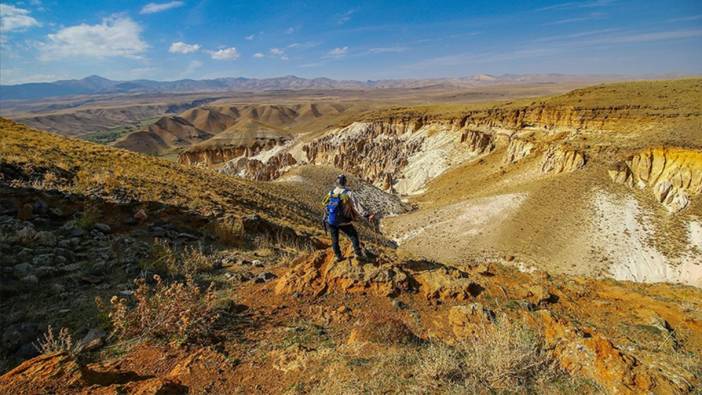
(44, 40)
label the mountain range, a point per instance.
(94, 84)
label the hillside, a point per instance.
(500, 271)
(490, 179)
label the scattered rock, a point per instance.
(26, 235)
(398, 304)
(104, 228)
(343, 309)
(140, 215)
(265, 277)
(22, 269)
(45, 238)
(43, 260)
(58, 288)
(30, 280)
(93, 340)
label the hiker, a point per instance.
(341, 208)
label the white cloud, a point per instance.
(153, 8)
(290, 30)
(338, 52)
(225, 54)
(277, 52)
(258, 55)
(181, 47)
(114, 36)
(250, 37)
(13, 18)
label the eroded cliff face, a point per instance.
(517, 150)
(376, 152)
(672, 174)
(212, 154)
(256, 169)
(560, 159)
(400, 155)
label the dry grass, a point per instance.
(178, 313)
(165, 260)
(654, 97)
(60, 342)
(53, 162)
(507, 357)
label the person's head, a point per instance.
(341, 180)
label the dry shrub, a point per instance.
(61, 342)
(178, 312)
(89, 217)
(505, 356)
(229, 232)
(165, 260)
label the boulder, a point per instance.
(104, 228)
(22, 269)
(46, 239)
(93, 340)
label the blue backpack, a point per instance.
(335, 209)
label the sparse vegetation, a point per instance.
(166, 261)
(59, 342)
(177, 313)
(504, 358)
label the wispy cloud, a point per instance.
(589, 17)
(153, 8)
(476, 58)
(345, 17)
(250, 37)
(387, 50)
(647, 37)
(577, 4)
(686, 18)
(258, 55)
(338, 52)
(576, 35)
(304, 45)
(15, 19)
(278, 53)
(183, 48)
(290, 30)
(191, 68)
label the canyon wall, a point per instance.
(212, 154)
(673, 175)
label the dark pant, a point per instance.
(351, 233)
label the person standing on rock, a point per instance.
(340, 209)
